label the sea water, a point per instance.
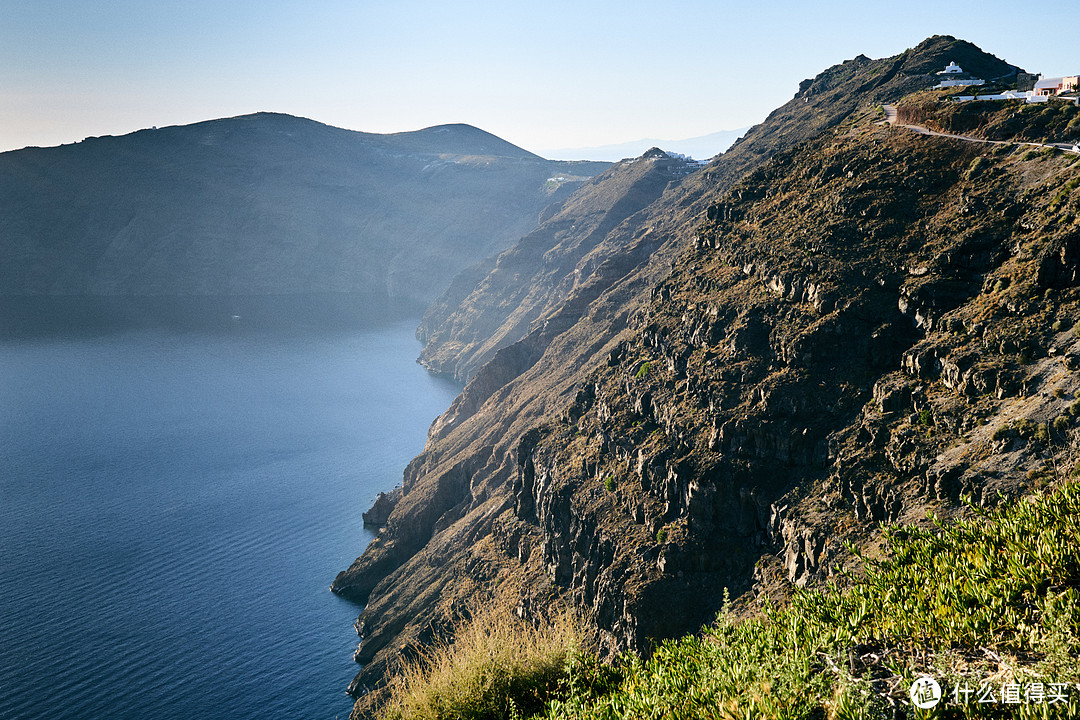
(174, 505)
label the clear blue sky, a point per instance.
(539, 74)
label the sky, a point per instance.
(551, 74)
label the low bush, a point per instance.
(495, 668)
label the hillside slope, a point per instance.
(457, 332)
(787, 354)
(266, 204)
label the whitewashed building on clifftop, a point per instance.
(954, 76)
(1045, 88)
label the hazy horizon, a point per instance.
(567, 75)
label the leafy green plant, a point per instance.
(994, 597)
(609, 483)
(643, 370)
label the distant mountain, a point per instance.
(267, 204)
(699, 148)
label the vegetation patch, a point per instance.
(988, 605)
(494, 666)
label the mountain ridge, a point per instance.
(266, 204)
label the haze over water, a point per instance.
(174, 505)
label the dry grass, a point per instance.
(495, 666)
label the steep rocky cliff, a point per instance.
(520, 289)
(267, 204)
(837, 323)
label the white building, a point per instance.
(954, 76)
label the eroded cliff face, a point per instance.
(452, 536)
(837, 351)
(860, 329)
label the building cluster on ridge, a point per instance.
(1043, 89)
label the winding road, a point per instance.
(890, 118)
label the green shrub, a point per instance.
(1064, 192)
(994, 594)
(925, 418)
(978, 165)
(609, 483)
(643, 370)
(1025, 427)
(1061, 424)
(1002, 432)
(661, 536)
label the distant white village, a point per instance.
(1064, 88)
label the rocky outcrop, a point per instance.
(380, 511)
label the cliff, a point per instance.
(522, 288)
(267, 204)
(500, 300)
(836, 323)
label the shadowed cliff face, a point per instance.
(266, 204)
(521, 290)
(760, 375)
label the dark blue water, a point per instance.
(173, 507)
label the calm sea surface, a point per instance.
(174, 505)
